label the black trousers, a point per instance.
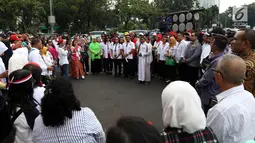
(86, 64)
(96, 66)
(192, 75)
(129, 67)
(108, 65)
(162, 69)
(182, 70)
(170, 72)
(117, 66)
(154, 64)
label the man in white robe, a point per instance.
(144, 61)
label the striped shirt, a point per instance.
(84, 127)
(233, 118)
(174, 135)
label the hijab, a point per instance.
(3, 48)
(95, 48)
(159, 38)
(44, 50)
(173, 41)
(182, 108)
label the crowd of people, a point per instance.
(209, 98)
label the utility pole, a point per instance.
(219, 12)
(51, 18)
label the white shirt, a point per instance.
(48, 59)
(206, 50)
(18, 60)
(107, 50)
(233, 118)
(162, 51)
(102, 47)
(2, 69)
(128, 47)
(23, 130)
(35, 56)
(38, 95)
(157, 45)
(172, 51)
(83, 127)
(62, 56)
(116, 49)
(180, 50)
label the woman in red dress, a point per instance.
(77, 68)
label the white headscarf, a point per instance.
(3, 48)
(182, 107)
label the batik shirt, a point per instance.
(249, 80)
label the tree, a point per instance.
(8, 14)
(251, 14)
(226, 17)
(134, 10)
(209, 16)
(176, 5)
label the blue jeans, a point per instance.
(64, 71)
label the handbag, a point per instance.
(170, 62)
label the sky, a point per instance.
(224, 4)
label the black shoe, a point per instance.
(115, 75)
(132, 77)
(125, 76)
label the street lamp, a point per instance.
(51, 18)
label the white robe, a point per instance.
(144, 61)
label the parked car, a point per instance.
(95, 34)
(137, 32)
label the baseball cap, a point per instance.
(14, 38)
(60, 41)
(141, 34)
(154, 34)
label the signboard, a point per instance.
(240, 14)
(51, 20)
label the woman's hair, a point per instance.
(106, 37)
(115, 39)
(58, 102)
(73, 43)
(36, 71)
(20, 90)
(132, 129)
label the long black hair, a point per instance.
(106, 37)
(58, 102)
(20, 91)
(131, 129)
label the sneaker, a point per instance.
(77, 78)
(82, 77)
(87, 73)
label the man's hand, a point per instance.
(4, 74)
(50, 68)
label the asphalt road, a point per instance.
(111, 97)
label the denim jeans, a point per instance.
(64, 71)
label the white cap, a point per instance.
(141, 34)
(154, 34)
